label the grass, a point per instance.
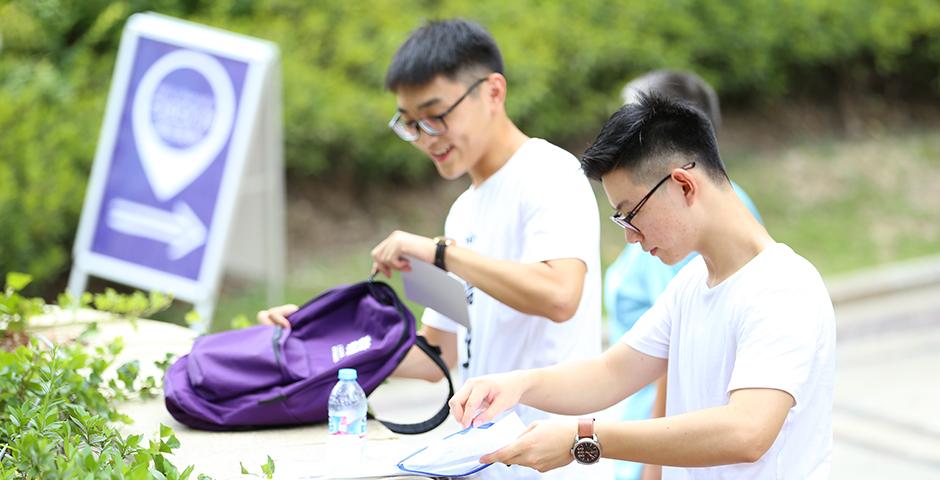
(844, 204)
(850, 205)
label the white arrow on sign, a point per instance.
(180, 229)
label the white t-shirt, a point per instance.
(769, 325)
(539, 206)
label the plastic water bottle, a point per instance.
(347, 407)
(347, 427)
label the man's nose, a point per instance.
(632, 236)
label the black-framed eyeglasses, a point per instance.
(410, 130)
(623, 220)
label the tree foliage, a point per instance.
(566, 62)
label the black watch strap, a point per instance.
(441, 246)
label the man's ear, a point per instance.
(688, 183)
(495, 88)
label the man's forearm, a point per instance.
(741, 431)
(548, 289)
(698, 439)
(578, 388)
(416, 364)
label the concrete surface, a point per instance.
(298, 453)
(886, 420)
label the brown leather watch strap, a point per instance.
(585, 427)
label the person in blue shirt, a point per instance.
(635, 279)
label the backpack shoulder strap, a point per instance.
(434, 353)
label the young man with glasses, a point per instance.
(634, 281)
(524, 236)
(747, 327)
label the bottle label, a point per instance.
(347, 425)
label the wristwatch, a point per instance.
(586, 449)
(442, 243)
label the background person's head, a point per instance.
(450, 89)
(642, 144)
(678, 85)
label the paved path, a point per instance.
(886, 414)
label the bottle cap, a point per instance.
(347, 374)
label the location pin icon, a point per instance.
(182, 116)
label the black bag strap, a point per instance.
(432, 351)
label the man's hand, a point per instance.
(483, 398)
(546, 445)
(277, 315)
(389, 254)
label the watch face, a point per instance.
(587, 451)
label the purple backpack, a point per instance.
(268, 376)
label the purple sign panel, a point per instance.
(169, 157)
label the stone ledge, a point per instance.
(885, 280)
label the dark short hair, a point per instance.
(443, 47)
(678, 85)
(646, 137)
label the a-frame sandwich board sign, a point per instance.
(191, 109)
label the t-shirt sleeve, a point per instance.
(777, 340)
(433, 319)
(650, 334)
(561, 217)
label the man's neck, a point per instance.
(734, 240)
(506, 141)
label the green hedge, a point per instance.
(566, 63)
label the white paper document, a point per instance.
(454, 456)
(458, 454)
(434, 288)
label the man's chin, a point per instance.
(667, 259)
(449, 173)
(671, 260)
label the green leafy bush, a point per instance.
(566, 62)
(15, 309)
(58, 405)
(58, 408)
(57, 412)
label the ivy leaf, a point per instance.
(159, 301)
(162, 465)
(139, 472)
(268, 468)
(155, 474)
(128, 373)
(186, 473)
(133, 441)
(172, 442)
(17, 281)
(164, 364)
(244, 470)
(90, 464)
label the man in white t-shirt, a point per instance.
(524, 237)
(747, 327)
